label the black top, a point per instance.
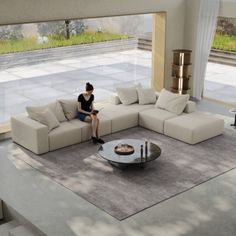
(86, 105)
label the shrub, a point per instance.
(11, 32)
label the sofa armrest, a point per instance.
(114, 99)
(190, 107)
(30, 134)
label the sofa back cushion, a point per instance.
(146, 96)
(114, 99)
(55, 108)
(172, 102)
(70, 108)
(127, 95)
(44, 115)
(47, 118)
(190, 107)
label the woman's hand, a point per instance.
(95, 112)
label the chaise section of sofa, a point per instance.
(194, 127)
(154, 119)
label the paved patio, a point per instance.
(42, 83)
(220, 82)
(45, 82)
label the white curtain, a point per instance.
(207, 19)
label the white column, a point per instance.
(207, 19)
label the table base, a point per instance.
(234, 122)
(125, 166)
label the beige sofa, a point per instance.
(190, 126)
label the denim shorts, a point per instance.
(82, 116)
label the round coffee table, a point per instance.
(107, 152)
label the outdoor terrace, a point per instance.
(41, 83)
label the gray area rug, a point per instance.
(122, 193)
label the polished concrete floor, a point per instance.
(39, 84)
(206, 210)
(220, 83)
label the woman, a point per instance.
(87, 113)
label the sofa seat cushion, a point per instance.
(121, 117)
(66, 134)
(86, 130)
(154, 119)
(194, 127)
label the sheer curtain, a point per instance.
(208, 12)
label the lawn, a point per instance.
(28, 44)
(221, 42)
(224, 42)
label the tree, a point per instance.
(61, 28)
(225, 26)
(67, 26)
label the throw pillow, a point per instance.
(172, 102)
(57, 110)
(47, 118)
(70, 108)
(55, 107)
(128, 94)
(146, 96)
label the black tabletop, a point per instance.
(150, 153)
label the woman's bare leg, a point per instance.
(94, 125)
(90, 119)
(97, 133)
(95, 128)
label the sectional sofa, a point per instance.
(190, 126)
(65, 129)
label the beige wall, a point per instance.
(174, 34)
(24, 11)
(190, 29)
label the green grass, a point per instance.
(224, 42)
(29, 44)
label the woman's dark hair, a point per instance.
(88, 87)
